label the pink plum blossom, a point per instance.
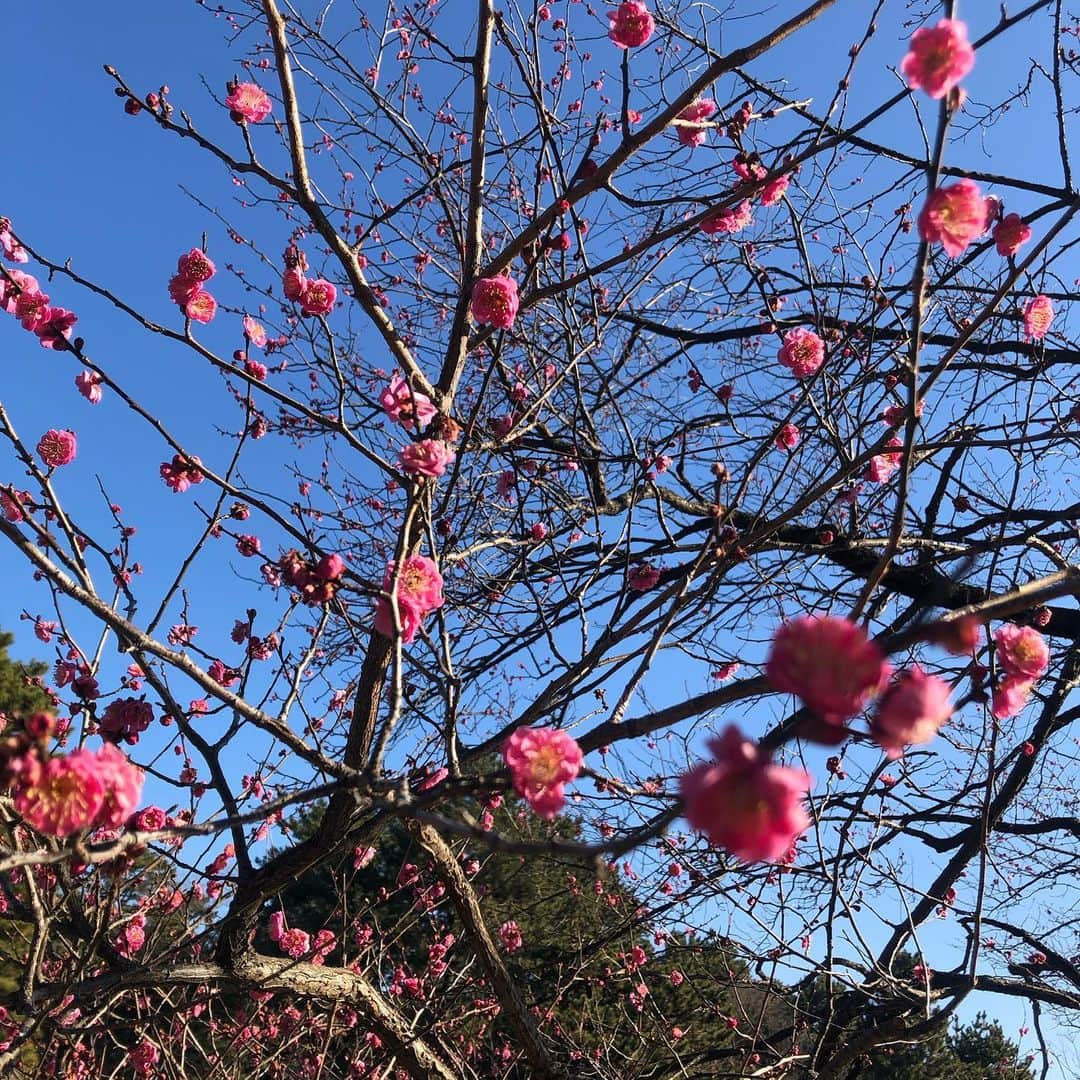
(911, 710)
(729, 220)
(10, 291)
(12, 249)
(829, 663)
(803, 352)
(89, 385)
(428, 457)
(1010, 696)
(690, 133)
(883, 466)
(1021, 651)
(788, 437)
(195, 266)
(318, 297)
(1010, 234)
(939, 58)
(419, 591)
(201, 307)
(61, 796)
(293, 283)
(1038, 315)
(123, 787)
(630, 24)
(180, 473)
(541, 762)
(248, 103)
(54, 329)
(125, 719)
(495, 301)
(953, 216)
(57, 447)
(254, 331)
(775, 190)
(406, 406)
(743, 802)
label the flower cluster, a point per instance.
(315, 297)
(1023, 657)
(193, 270)
(21, 296)
(180, 473)
(125, 719)
(418, 591)
(317, 582)
(542, 761)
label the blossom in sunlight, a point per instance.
(10, 291)
(1010, 696)
(62, 795)
(406, 406)
(195, 266)
(54, 329)
(953, 216)
(419, 591)
(14, 251)
(743, 802)
(829, 663)
(883, 466)
(1010, 234)
(803, 352)
(88, 384)
(730, 220)
(911, 710)
(939, 58)
(541, 762)
(318, 297)
(123, 784)
(254, 331)
(495, 301)
(1038, 315)
(689, 132)
(1021, 651)
(248, 103)
(201, 308)
(428, 457)
(775, 190)
(630, 24)
(57, 447)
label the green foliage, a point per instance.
(17, 695)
